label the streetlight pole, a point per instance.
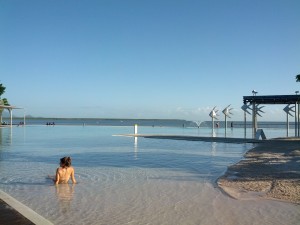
(244, 108)
(288, 109)
(24, 120)
(213, 114)
(227, 112)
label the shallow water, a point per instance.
(126, 180)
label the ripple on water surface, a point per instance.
(126, 181)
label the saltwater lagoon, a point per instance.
(126, 180)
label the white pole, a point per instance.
(245, 125)
(255, 129)
(213, 125)
(24, 118)
(295, 119)
(298, 118)
(225, 125)
(253, 120)
(287, 124)
(10, 112)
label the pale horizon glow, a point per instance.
(147, 59)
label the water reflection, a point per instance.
(65, 193)
(213, 148)
(135, 148)
(5, 136)
(213, 134)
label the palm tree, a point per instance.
(2, 90)
(298, 78)
(2, 101)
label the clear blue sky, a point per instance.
(147, 58)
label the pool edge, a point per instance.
(24, 210)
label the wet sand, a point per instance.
(270, 170)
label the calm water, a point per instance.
(126, 180)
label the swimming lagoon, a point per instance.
(126, 180)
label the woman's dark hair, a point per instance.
(66, 161)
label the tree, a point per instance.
(4, 101)
(2, 90)
(298, 78)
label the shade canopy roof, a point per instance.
(9, 107)
(272, 99)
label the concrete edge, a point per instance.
(24, 210)
(210, 139)
(194, 138)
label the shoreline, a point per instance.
(271, 170)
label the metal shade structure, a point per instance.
(272, 99)
(275, 100)
(10, 108)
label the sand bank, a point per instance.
(270, 170)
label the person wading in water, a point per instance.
(65, 172)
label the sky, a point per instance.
(147, 59)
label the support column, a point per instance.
(245, 125)
(10, 112)
(24, 119)
(225, 126)
(287, 125)
(254, 126)
(296, 118)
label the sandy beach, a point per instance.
(269, 170)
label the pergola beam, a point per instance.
(277, 99)
(272, 99)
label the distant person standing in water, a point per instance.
(65, 172)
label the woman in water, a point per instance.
(64, 172)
